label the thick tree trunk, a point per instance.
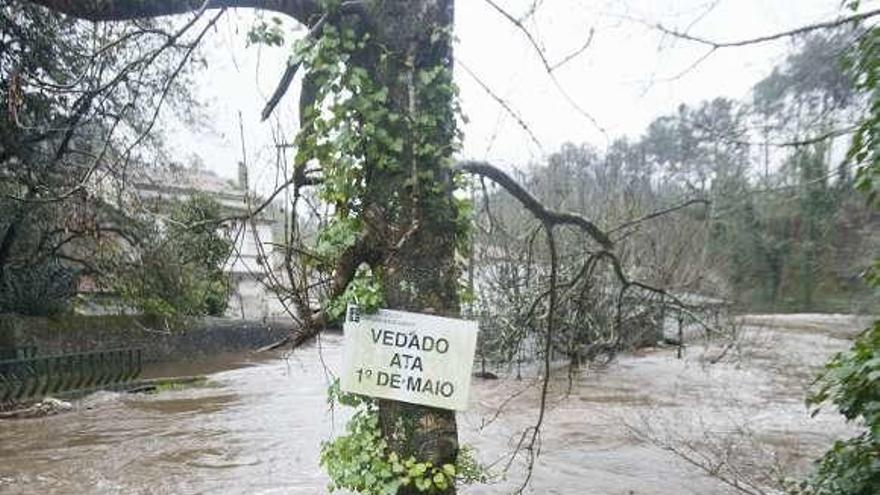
(420, 273)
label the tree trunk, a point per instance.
(420, 273)
(10, 234)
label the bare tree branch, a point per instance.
(548, 344)
(658, 213)
(571, 56)
(532, 204)
(513, 113)
(550, 68)
(538, 49)
(769, 37)
(305, 11)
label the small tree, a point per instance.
(178, 269)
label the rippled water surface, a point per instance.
(257, 425)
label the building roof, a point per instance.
(182, 180)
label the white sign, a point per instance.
(408, 357)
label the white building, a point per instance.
(253, 240)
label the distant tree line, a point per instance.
(782, 231)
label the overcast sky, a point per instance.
(629, 74)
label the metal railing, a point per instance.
(37, 376)
(7, 353)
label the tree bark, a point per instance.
(419, 273)
(10, 234)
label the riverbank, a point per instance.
(186, 339)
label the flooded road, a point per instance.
(256, 426)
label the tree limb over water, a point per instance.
(304, 11)
(528, 201)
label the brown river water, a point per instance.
(256, 426)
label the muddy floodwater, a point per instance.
(640, 425)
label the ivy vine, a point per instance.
(361, 461)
